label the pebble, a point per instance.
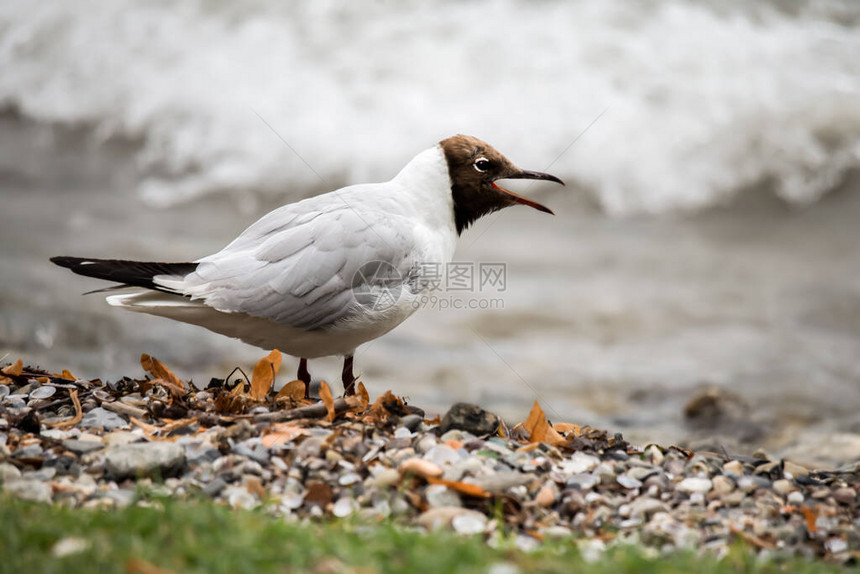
(344, 507)
(597, 489)
(69, 546)
(215, 487)
(8, 472)
(438, 495)
(734, 468)
(782, 486)
(43, 392)
(469, 522)
(442, 455)
(469, 418)
(792, 470)
(28, 489)
(723, 484)
(845, 495)
(99, 417)
(238, 497)
(695, 484)
(583, 481)
(420, 467)
(628, 482)
(547, 495)
(81, 447)
(579, 463)
(144, 459)
(500, 482)
(386, 477)
(411, 422)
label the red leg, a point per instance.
(304, 376)
(348, 377)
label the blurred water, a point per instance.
(702, 99)
(611, 322)
(140, 131)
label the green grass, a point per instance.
(204, 537)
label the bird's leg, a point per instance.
(304, 376)
(348, 377)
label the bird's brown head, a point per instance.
(474, 167)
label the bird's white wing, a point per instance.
(299, 265)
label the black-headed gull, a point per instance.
(309, 278)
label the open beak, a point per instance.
(524, 174)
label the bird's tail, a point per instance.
(128, 273)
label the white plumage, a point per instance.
(287, 282)
(326, 274)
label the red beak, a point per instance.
(517, 198)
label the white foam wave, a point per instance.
(701, 100)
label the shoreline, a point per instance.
(91, 444)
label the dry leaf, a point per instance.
(79, 413)
(437, 420)
(539, 430)
(294, 390)
(565, 428)
(159, 433)
(172, 389)
(158, 370)
(328, 401)
(466, 488)
(15, 369)
(229, 403)
(362, 394)
(147, 428)
(264, 375)
(385, 405)
(282, 433)
(319, 493)
(809, 516)
(66, 374)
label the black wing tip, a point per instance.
(65, 261)
(73, 263)
(132, 273)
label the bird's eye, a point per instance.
(482, 164)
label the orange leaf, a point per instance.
(264, 375)
(172, 389)
(385, 405)
(361, 392)
(79, 413)
(328, 400)
(539, 430)
(809, 515)
(466, 488)
(158, 370)
(566, 428)
(15, 369)
(66, 374)
(293, 390)
(282, 433)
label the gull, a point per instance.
(323, 275)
